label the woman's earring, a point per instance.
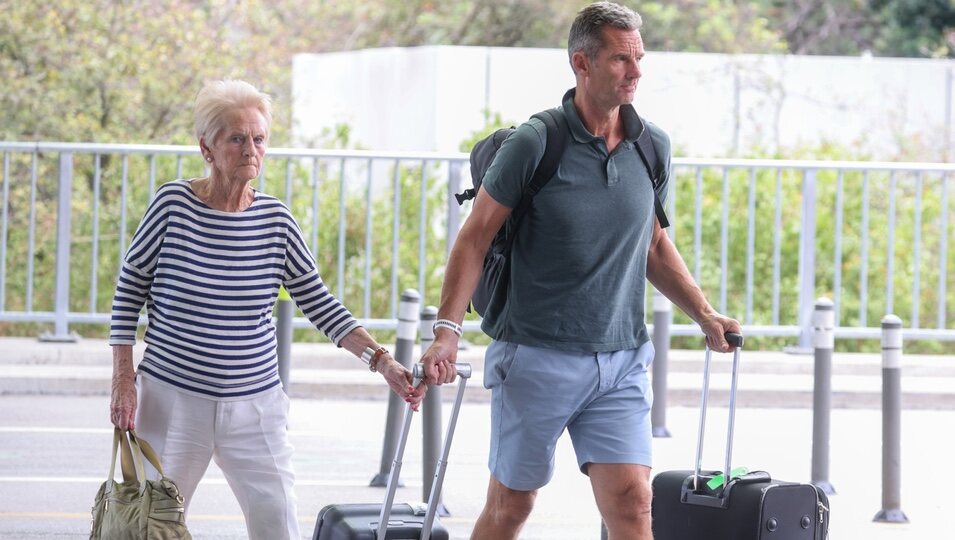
(209, 159)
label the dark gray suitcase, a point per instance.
(695, 504)
(388, 521)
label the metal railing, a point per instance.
(764, 238)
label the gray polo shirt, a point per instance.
(578, 267)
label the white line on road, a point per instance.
(206, 481)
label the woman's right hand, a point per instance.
(122, 405)
(123, 400)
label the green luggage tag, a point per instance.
(717, 480)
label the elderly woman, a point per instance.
(207, 260)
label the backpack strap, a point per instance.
(488, 147)
(649, 157)
(553, 151)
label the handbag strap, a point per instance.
(127, 463)
(147, 452)
(137, 459)
(132, 452)
(112, 463)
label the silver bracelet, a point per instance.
(370, 356)
(450, 325)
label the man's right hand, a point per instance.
(439, 359)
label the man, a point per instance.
(570, 348)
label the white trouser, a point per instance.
(247, 438)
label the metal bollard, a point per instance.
(823, 321)
(284, 313)
(404, 353)
(891, 422)
(662, 315)
(431, 411)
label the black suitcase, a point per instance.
(703, 505)
(388, 521)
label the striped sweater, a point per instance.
(209, 280)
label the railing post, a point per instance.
(404, 351)
(431, 411)
(824, 340)
(891, 422)
(807, 261)
(284, 313)
(61, 329)
(662, 315)
(454, 211)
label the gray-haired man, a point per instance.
(570, 348)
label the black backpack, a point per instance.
(497, 259)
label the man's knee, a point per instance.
(510, 505)
(637, 496)
(626, 492)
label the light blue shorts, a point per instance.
(602, 399)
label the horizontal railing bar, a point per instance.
(813, 164)
(169, 149)
(92, 148)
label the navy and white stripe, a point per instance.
(209, 280)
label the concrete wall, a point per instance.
(433, 98)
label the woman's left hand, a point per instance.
(400, 381)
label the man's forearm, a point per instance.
(668, 273)
(460, 279)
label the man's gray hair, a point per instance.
(586, 33)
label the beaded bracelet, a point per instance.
(450, 325)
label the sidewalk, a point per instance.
(323, 371)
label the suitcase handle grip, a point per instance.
(464, 370)
(417, 371)
(736, 340)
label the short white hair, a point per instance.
(219, 98)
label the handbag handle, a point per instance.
(132, 452)
(126, 460)
(146, 451)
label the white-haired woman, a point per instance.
(207, 260)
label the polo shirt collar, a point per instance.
(632, 124)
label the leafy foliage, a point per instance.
(107, 71)
(128, 71)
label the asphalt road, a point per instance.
(54, 452)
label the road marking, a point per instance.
(86, 515)
(192, 517)
(205, 481)
(109, 431)
(31, 429)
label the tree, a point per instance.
(107, 71)
(840, 27)
(908, 28)
(708, 26)
(917, 28)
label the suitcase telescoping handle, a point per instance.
(464, 373)
(735, 340)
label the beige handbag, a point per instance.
(137, 508)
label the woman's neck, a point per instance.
(224, 195)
